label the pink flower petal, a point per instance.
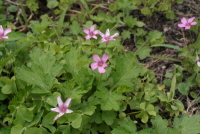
(112, 39)
(60, 103)
(96, 58)
(107, 33)
(8, 30)
(92, 28)
(87, 36)
(93, 65)
(101, 34)
(198, 63)
(95, 37)
(181, 25)
(101, 70)
(104, 58)
(193, 23)
(104, 65)
(96, 32)
(5, 37)
(187, 27)
(183, 20)
(115, 35)
(55, 109)
(67, 102)
(86, 30)
(58, 116)
(190, 19)
(103, 40)
(1, 29)
(69, 111)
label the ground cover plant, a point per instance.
(99, 67)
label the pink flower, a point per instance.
(187, 23)
(100, 63)
(91, 33)
(62, 107)
(3, 33)
(106, 37)
(198, 63)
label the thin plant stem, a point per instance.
(23, 13)
(3, 124)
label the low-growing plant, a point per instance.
(75, 77)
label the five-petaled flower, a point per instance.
(3, 33)
(106, 37)
(62, 107)
(91, 33)
(100, 63)
(187, 23)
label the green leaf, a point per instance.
(61, 20)
(2, 96)
(52, 100)
(154, 35)
(146, 131)
(76, 120)
(4, 61)
(84, 79)
(109, 100)
(49, 118)
(10, 85)
(31, 77)
(140, 24)
(125, 72)
(145, 117)
(75, 28)
(146, 11)
(12, 8)
(26, 114)
(37, 27)
(52, 4)
(183, 88)
(100, 17)
(109, 116)
(88, 109)
(167, 45)
(96, 117)
(127, 126)
(7, 89)
(47, 125)
(159, 125)
(143, 52)
(73, 58)
(187, 125)
(36, 119)
(33, 130)
(143, 105)
(193, 94)
(120, 130)
(170, 14)
(46, 61)
(17, 130)
(5, 131)
(32, 5)
(172, 88)
(126, 34)
(41, 72)
(13, 36)
(130, 21)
